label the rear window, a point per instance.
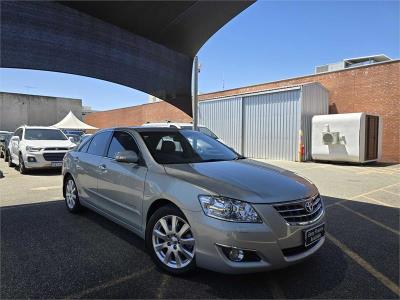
(44, 134)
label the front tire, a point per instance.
(21, 167)
(170, 240)
(71, 196)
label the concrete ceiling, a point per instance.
(146, 45)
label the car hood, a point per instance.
(49, 143)
(245, 179)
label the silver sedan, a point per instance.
(195, 201)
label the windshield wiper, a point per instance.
(239, 157)
(213, 159)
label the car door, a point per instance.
(14, 150)
(121, 185)
(87, 162)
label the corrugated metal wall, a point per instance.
(314, 101)
(224, 118)
(271, 125)
(266, 125)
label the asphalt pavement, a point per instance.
(47, 252)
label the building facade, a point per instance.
(373, 88)
(137, 115)
(274, 124)
(24, 109)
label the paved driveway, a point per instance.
(47, 252)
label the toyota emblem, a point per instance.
(308, 206)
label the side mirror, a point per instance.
(15, 138)
(129, 157)
(71, 139)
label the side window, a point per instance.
(84, 147)
(18, 133)
(122, 141)
(99, 143)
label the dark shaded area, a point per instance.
(183, 26)
(145, 45)
(47, 252)
(41, 172)
(333, 108)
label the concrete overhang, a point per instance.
(146, 45)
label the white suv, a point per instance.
(202, 128)
(33, 147)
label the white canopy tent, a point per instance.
(72, 122)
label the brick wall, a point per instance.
(137, 115)
(373, 89)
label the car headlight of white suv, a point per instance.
(33, 149)
(228, 209)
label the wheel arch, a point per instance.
(158, 204)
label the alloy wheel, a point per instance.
(70, 194)
(173, 242)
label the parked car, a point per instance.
(4, 139)
(34, 147)
(213, 209)
(187, 126)
(75, 138)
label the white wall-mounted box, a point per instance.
(353, 137)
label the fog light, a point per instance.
(31, 159)
(236, 255)
(239, 255)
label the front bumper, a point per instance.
(277, 243)
(37, 160)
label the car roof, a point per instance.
(154, 129)
(142, 129)
(163, 124)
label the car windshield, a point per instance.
(185, 146)
(44, 134)
(75, 138)
(202, 129)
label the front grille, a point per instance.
(300, 212)
(53, 156)
(56, 149)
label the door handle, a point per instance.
(103, 168)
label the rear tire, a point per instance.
(172, 247)
(71, 195)
(6, 156)
(10, 163)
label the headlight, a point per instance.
(71, 147)
(228, 209)
(33, 149)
